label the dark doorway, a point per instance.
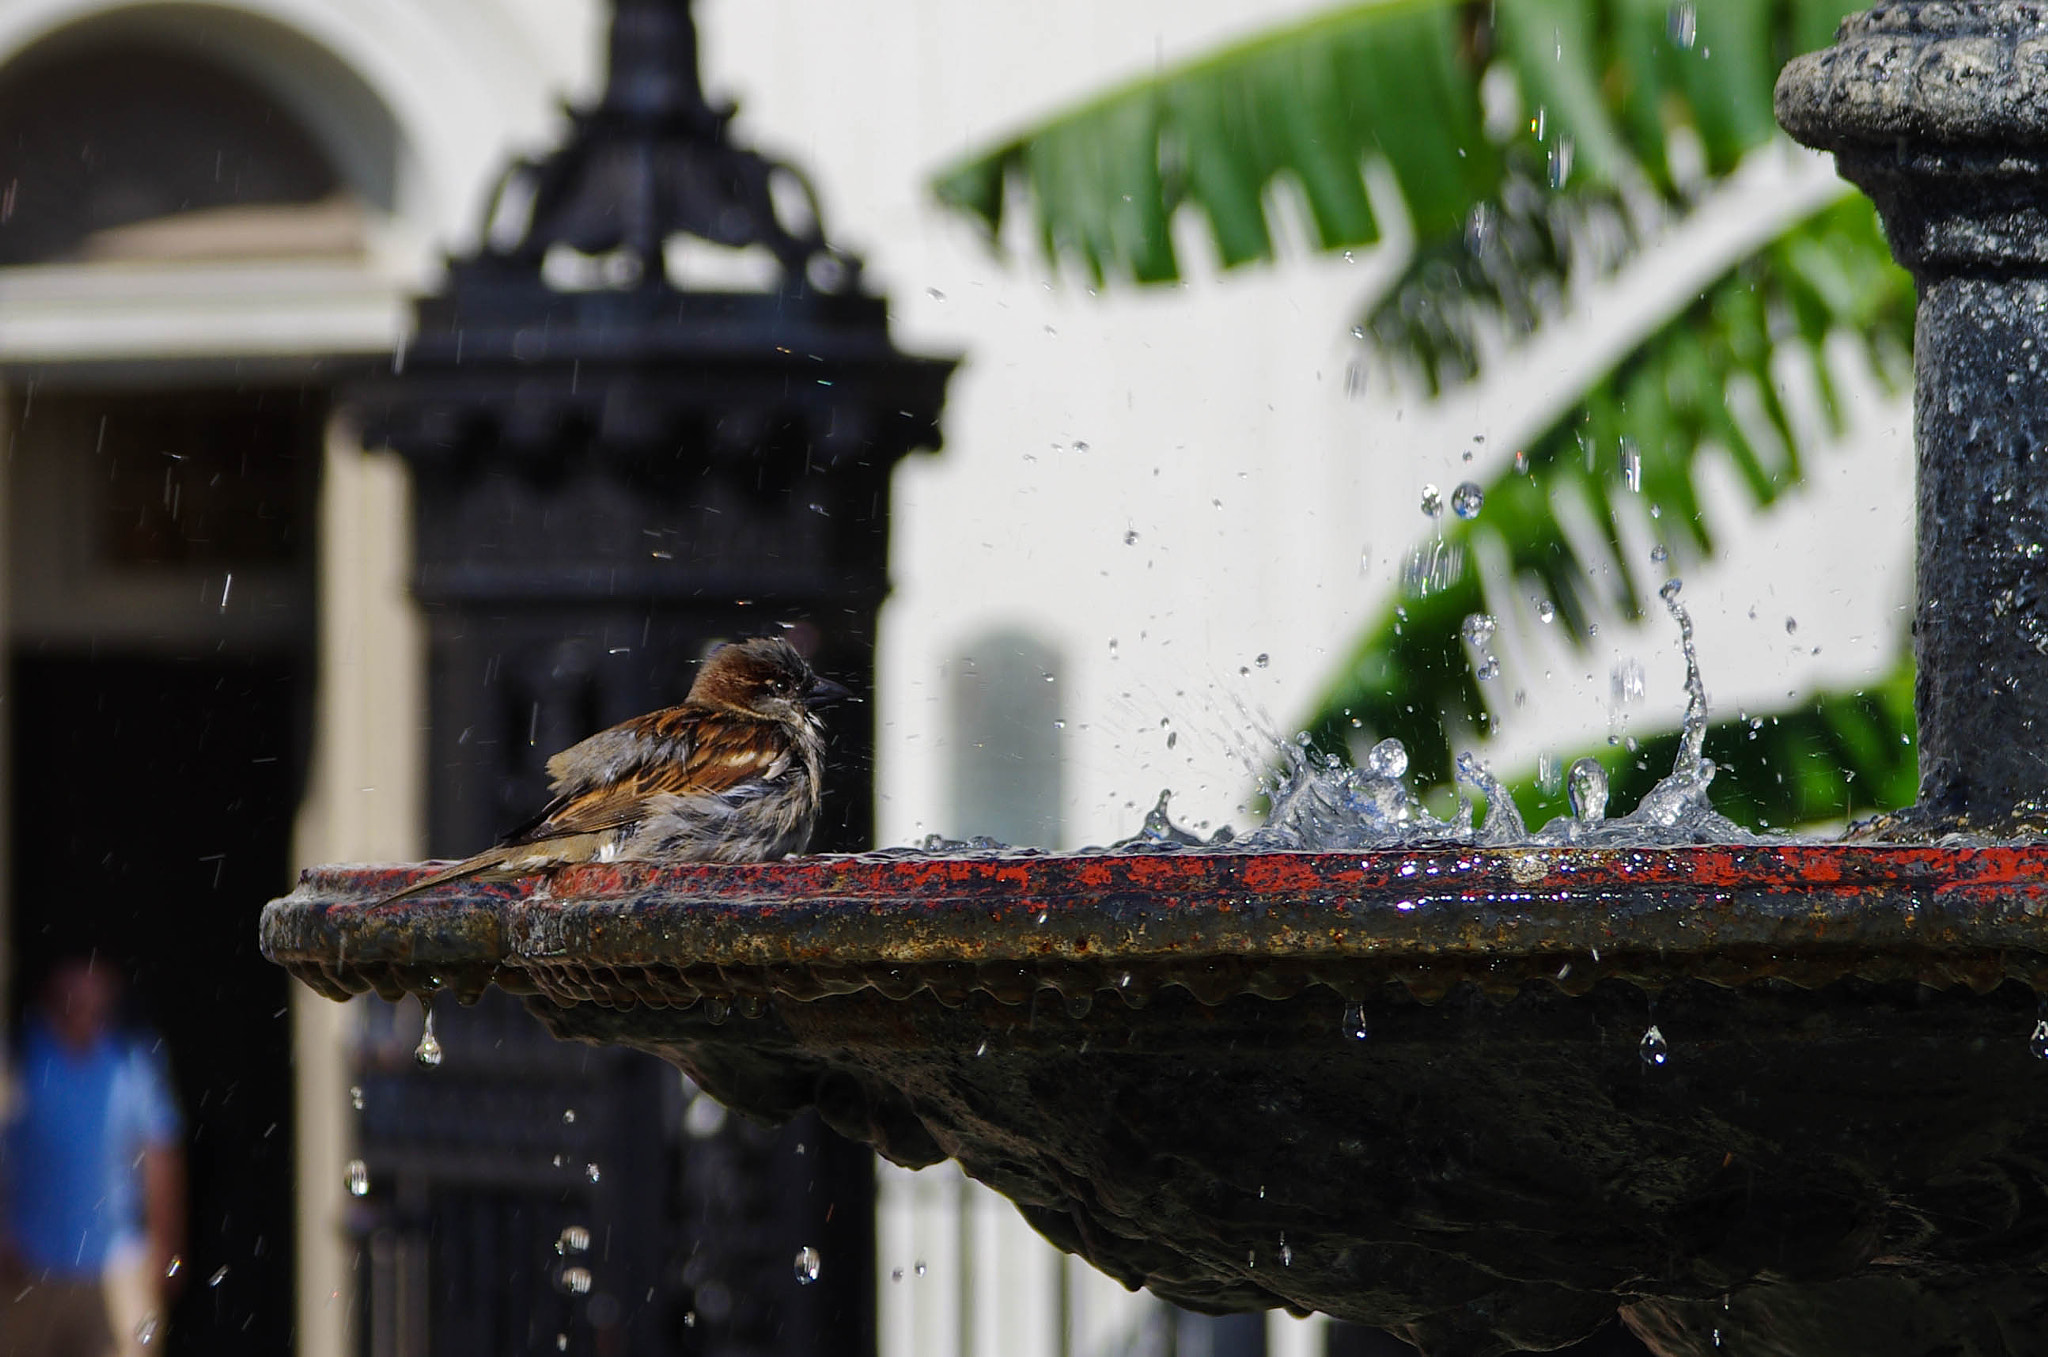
(159, 687)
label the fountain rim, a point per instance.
(1218, 923)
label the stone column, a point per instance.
(1939, 111)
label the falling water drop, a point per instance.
(1654, 1050)
(1791, 626)
(145, 1332)
(1488, 670)
(592, 1172)
(1546, 611)
(1683, 24)
(895, 1274)
(807, 1265)
(573, 1239)
(1479, 628)
(1354, 1022)
(1286, 1252)
(428, 1052)
(1467, 500)
(355, 1096)
(1660, 554)
(1549, 774)
(1389, 758)
(220, 1275)
(176, 1265)
(576, 1280)
(1586, 785)
(1631, 465)
(358, 1176)
(1432, 501)
(1560, 162)
(918, 1267)
(568, 1116)
(1263, 660)
(2038, 1043)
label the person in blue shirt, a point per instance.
(93, 1175)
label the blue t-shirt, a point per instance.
(73, 1148)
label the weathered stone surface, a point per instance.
(1152, 1055)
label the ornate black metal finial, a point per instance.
(652, 161)
(1939, 111)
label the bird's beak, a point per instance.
(823, 690)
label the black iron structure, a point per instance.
(613, 472)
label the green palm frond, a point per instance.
(1666, 402)
(1399, 81)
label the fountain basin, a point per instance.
(1156, 1056)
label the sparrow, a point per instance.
(731, 775)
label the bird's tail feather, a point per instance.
(479, 865)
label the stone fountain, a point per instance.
(1761, 1098)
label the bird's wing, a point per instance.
(606, 781)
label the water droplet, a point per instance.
(918, 1267)
(568, 1116)
(1660, 554)
(1479, 228)
(1389, 758)
(576, 1280)
(1112, 647)
(1354, 1022)
(1654, 1050)
(175, 1266)
(895, 1274)
(355, 1096)
(220, 1275)
(2038, 1043)
(1546, 611)
(1263, 660)
(1286, 1254)
(1479, 628)
(1549, 773)
(1683, 24)
(1561, 162)
(1358, 332)
(572, 1239)
(807, 1265)
(1670, 589)
(1586, 785)
(1631, 465)
(1432, 501)
(1791, 626)
(592, 1172)
(145, 1332)
(1467, 500)
(357, 1175)
(561, 1342)
(1540, 124)
(428, 1052)
(1488, 670)
(1130, 537)
(1356, 378)
(935, 294)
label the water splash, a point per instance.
(1319, 803)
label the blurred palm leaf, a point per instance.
(1531, 140)
(1398, 80)
(1665, 406)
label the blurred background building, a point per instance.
(1161, 519)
